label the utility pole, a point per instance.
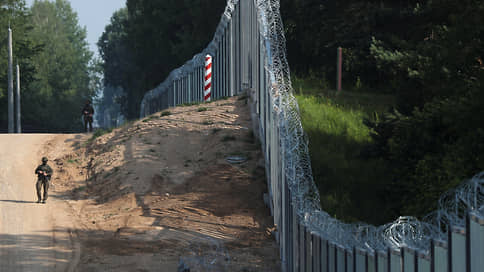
(19, 126)
(10, 83)
(339, 68)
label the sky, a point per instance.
(94, 15)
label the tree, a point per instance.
(64, 78)
(25, 48)
(118, 63)
(148, 39)
(429, 54)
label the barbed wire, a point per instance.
(405, 231)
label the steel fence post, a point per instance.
(457, 249)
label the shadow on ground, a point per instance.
(161, 187)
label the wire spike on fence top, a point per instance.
(283, 138)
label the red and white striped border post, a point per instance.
(208, 78)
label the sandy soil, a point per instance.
(156, 194)
(28, 240)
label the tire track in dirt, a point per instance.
(28, 240)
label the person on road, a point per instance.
(88, 112)
(44, 173)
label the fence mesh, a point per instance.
(293, 146)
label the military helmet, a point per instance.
(44, 159)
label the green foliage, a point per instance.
(16, 14)
(100, 132)
(149, 119)
(350, 185)
(148, 39)
(365, 102)
(416, 51)
(435, 149)
(429, 55)
(56, 67)
(165, 113)
(201, 109)
(188, 104)
(63, 77)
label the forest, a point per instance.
(58, 72)
(427, 55)
(146, 40)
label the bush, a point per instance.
(350, 185)
(165, 113)
(101, 132)
(434, 150)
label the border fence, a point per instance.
(249, 55)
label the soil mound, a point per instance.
(159, 193)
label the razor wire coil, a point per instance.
(405, 231)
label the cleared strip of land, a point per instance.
(144, 197)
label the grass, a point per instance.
(356, 100)
(165, 113)
(97, 134)
(202, 109)
(190, 104)
(101, 132)
(350, 185)
(149, 118)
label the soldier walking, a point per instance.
(88, 112)
(44, 173)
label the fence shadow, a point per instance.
(210, 200)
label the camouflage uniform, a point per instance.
(88, 112)
(43, 180)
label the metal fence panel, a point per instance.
(476, 242)
(409, 260)
(316, 252)
(295, 240)
(245, 56)
(395, 264)
(340, 259)
(331, 257)
(349, 260)
(382, 261)
(360, 260)
(302, 248)
(457, 247)
(439, 260)
(423, 262)
(308, 251)
(324, 256)
(371, 262)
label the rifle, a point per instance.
(43, 176)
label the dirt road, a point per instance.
(27, 239)
(154, 195)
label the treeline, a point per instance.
(430, 55)
(57, 70)
(148, 39)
